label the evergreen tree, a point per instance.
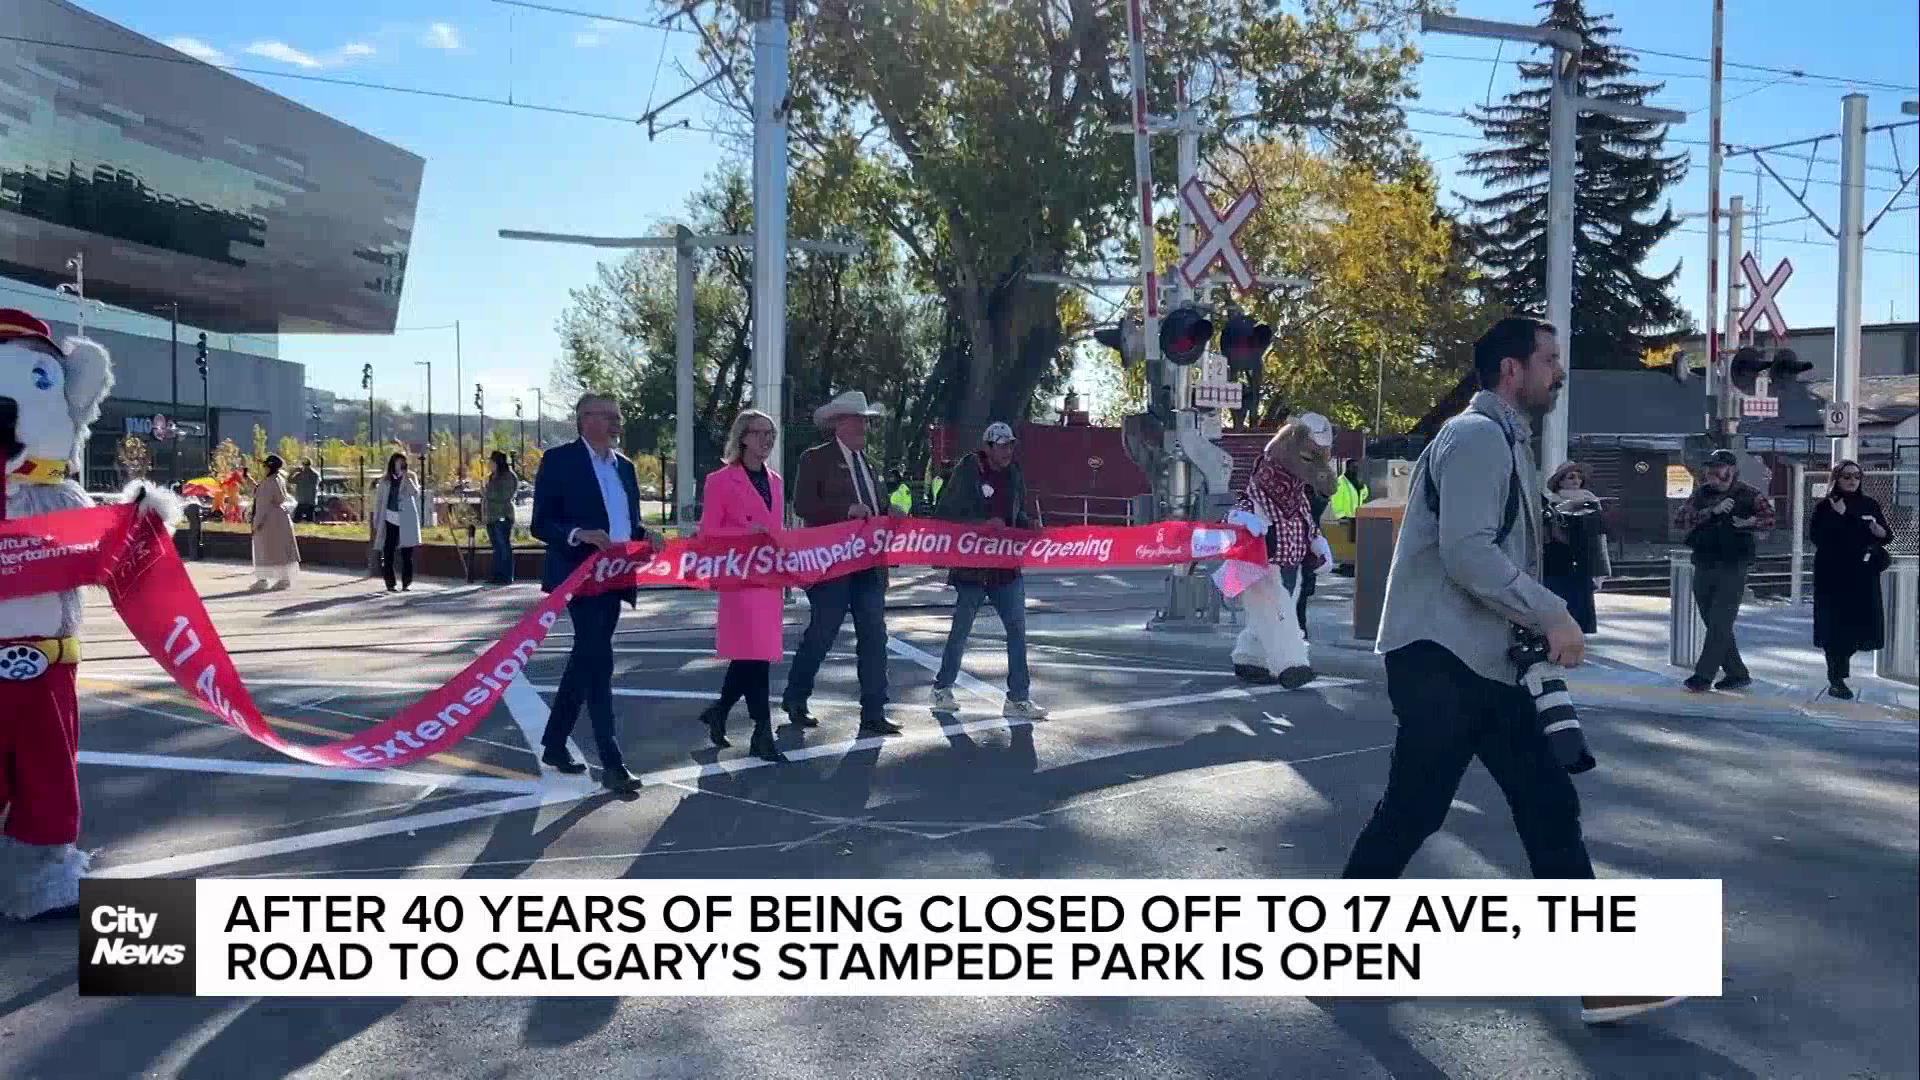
(1620, 174)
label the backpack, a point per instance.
(1508, 516)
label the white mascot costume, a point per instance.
(1272, 648)
(49, 395)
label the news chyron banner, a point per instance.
(918, 938)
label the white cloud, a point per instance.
(441, 36)
(197, 49)
(607, 26)
(283, 52)
(588, 40)
(355, 50)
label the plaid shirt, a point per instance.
(1284, 502)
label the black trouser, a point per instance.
(865, 595)
(1718, 588)
(1306, 590)
(747, 679)
(1839, 663)
(588, 679)
(302, 512)
(391, 552)
(1449, 715)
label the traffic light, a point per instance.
(1127, 337)
(1184, 335)
(1745, 370)
(1245, 342)
(366, 376)
(479, 401)
(1787, 366)
(200, 356)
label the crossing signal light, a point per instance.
(200, 355)
(1127, 337)
(1245, 342)
(1184, 335)
(478, 400)
(1787, 365)
(366, 376)
(1748, 365)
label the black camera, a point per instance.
(1546, 682)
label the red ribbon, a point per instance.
(132, 555)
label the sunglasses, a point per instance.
(1851, 476)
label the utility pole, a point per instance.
(459, 414)
(426, 456)
(539, 417)
(1852, 238)
(770, 101)
(1565, 105)
(520, 420)
(1154, 363)
(1718, 391)
(1727, 413)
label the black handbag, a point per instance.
(1878, 560)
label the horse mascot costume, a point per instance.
(50, 394)
(1272, 648)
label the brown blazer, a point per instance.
(823, 487)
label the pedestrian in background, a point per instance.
(988, 488)
(899, 495)
(1720, 519)
(396, 522)
(834, 483)
(497, 507)
(306, 491)
(1574, 559)
(586, 498)
(745, 497)
(1849, 531)
(276, 554)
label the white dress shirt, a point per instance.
(606, 470)
(863, 485)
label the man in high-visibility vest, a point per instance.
(938, 481)
(899, 496)
(1350, 493)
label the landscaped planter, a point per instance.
(429, 560)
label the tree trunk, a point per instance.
(1015, 338)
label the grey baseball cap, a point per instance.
(998, 432)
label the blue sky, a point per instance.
(491, 167)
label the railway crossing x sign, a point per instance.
(1219, 230)
(1764, 292)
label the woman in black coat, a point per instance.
(1574, 558)
(1850, 533)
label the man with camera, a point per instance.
(1464, 612)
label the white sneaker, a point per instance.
(1024, 710)
(944, 701)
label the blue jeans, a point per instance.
(1010, 600)
(500, 533)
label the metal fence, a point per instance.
(1897, 492)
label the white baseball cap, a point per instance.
(998, 432)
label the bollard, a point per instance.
(1686, 632)
(1900, 599)
(472, 558)
(194, 549)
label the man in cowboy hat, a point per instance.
(835, 482)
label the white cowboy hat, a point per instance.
(851, 403)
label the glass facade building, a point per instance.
(183, 184)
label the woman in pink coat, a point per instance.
(745, 497)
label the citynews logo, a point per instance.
(136, 937)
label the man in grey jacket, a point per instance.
(1464, 574)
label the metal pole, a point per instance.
(459, 416)
(1798, 524)
(1380, 394)
(426, 456)
(1846, 320)
(1187, 158)
(173, 441)
(1561, 123)
(1736, 233)
(1716, 374)
(769, 215)
(1143, 185)
(683, 380)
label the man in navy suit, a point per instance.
(586, 497)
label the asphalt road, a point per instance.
(1157, 764)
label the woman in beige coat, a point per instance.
(276, 555)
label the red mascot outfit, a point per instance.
(49, 395)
